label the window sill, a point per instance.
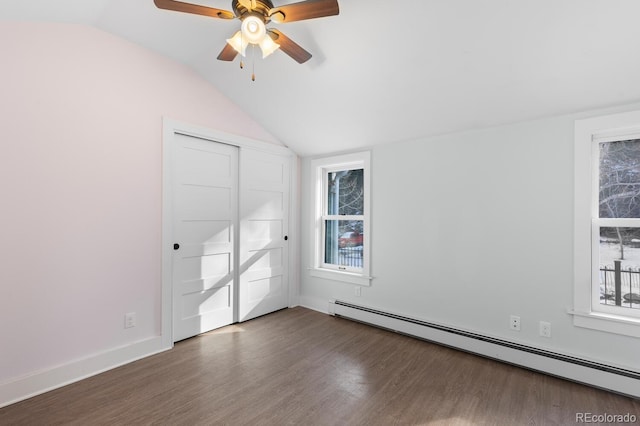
(347, 277)
(617, 324)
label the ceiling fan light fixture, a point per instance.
(253, 29)
(268, 46)
(239, 43)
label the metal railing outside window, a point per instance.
(619, 286)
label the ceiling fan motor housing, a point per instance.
(261, 8)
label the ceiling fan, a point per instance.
(255, 15)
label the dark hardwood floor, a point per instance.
(300, 367)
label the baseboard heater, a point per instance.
(585, 371)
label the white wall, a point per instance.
(470, 228)
(80, 185)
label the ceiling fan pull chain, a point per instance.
(241, 62)
(253, 62)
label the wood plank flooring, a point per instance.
(300, 367)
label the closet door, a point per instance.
(205, 215)
(264, 214)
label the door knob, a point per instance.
(286, 237)
(176, 246)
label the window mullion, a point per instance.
(342, 217)
(617, 222)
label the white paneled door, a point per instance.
(230, 209)
(205, 216)
(264, 208)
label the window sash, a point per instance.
(336, 266)
(325, 184)
(596, 304)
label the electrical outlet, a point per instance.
(545, 329)
(358, 291)
(514, 323)
(130, 320)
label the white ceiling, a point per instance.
(385, 71)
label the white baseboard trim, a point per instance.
(597, 374)
(43, 381)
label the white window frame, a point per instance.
(320, 168)
(587, 310)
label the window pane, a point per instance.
(620, 267)
(619, 193)
(345, 192)
(344, 240)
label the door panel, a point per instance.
(264, 214)
(205, 200)
(263, 288)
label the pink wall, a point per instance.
(80, 187)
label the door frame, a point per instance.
(169, 129)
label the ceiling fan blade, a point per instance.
(196, 9)
(308, 9)
(228, 53)
(289, 46)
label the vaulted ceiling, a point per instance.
(386, 71)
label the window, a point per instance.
(607, 224)
(616, 229)
(340, 223)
